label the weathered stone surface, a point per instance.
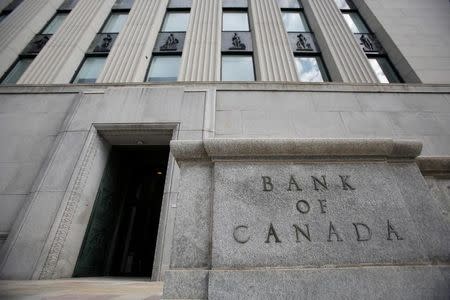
(186, 284)
(191, 242)
(263, 219)
(389, 282)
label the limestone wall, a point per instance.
(51, 149)
(29, 126)
(415, 35)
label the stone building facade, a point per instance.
(257, 99)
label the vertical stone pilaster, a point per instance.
(129, 58)
(345, 60)
(273, 57)
(17, 30)
(201, 53)
(60, 58)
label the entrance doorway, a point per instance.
(121, 236)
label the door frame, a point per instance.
(65, 238)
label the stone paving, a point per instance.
(86, 288)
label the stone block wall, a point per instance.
(29, 126)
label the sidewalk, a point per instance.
(81, 288)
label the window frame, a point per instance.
(306, 54)
(175, 10)
(51, 20)
(159, 55)
(72, 81)
(13, 65)
(325, 72)
(245, 10)
(231, 53)
(113, 11)
(354, 9)
(237, 10)
(301, 12)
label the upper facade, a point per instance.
(120, 41)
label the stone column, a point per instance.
(344, 58)
(274, 60)
(62, 55)
(201, 53)
(129, 58)
(17, 30)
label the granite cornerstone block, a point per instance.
(291, 215)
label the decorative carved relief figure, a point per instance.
(302, 43)
(367, 43)
(171, 44)
(237, 44)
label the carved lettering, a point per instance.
(293, 182)
(238, 237)
(302, 232)
(303, 206)
(345, 185)
(359, 237)
(273, 233)
(322, 183)
(332, 231)
(323, 205)
(391, 231)
(267, 184)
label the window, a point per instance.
(383, 69)
(17, 70)
(55, 23)
(8, 9)
(166, 57)
(34, 47)
(3, 15)
(98, 51)
(310, 69)
(237, 68)
(164, 68)
(343, 4)
(90, 69)
(368, 43)
(175, 22)
(116, 21)
(237, 48)
(294, 22)
(235, 21)
(307, 56)
(355, 23)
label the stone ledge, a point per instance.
(319, 148)
(434, 166)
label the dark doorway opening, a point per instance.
(120, 239)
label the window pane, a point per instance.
(90, 70)
(384, 70)
(115, 23)
(175, 21)
(237, 68)
(164, 68)
(342, 4)
(310, 69)
(3, 16)
(235, 21)
(16, 72)
(294, 22)
(53, 26)
(355, 23)
(288, 3)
